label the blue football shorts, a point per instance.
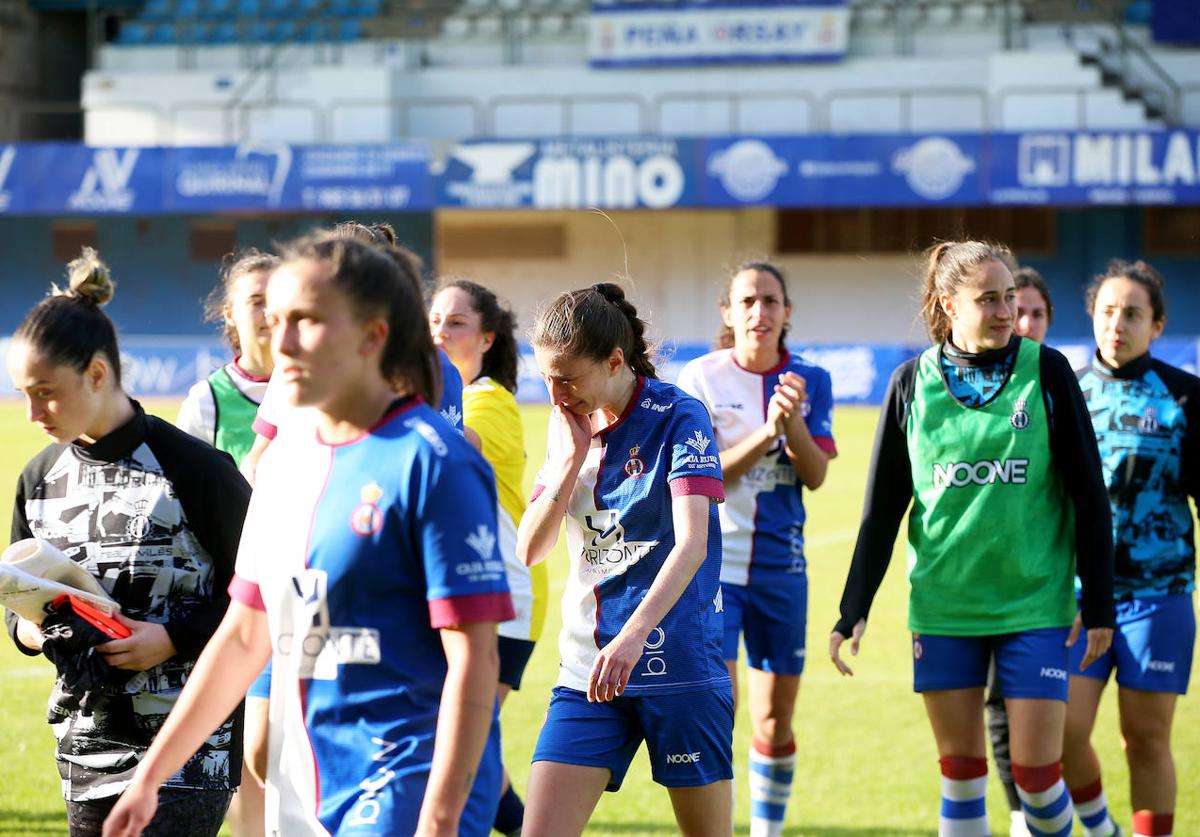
(1029, 664)
(689, 735)
(1152, 646)
(772, 616)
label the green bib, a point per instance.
(234, 432)
(991, 530)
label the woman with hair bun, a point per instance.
(478, 333)
(986, 436)
(632, 467)
(1145, 414)
(155, 515)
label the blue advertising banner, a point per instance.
(645, 173)
(1081, 168)
(639, 34)
(1094, 168)
(876, 170)
(69, 179)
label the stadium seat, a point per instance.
(247, 9)
(133, 33)
(187, 9)
(223, 32)
(157, 10)
(348, 30)
(366, 8)
(488, 26)
(216, 9)
(193, 32)
(161, 33)
(456, 27)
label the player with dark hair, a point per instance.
(478, 333)
(1035, 309)
(772, 415)
(383, 708)
(1006, 492)
(1146, 416)
(155, 515)
(632, 468)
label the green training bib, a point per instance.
(234, 432)
(991, 530)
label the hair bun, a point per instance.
(611, 292)
(88, 278)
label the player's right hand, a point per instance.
(835, 646)
(574, 434)
(29, 634)
(133, 811)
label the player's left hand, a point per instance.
(149, 645)
(133, 811)
(613, 667)
(793, 388)
(1099, 640)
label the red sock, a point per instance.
(774, 751)
(1087, 793)
(1150, 823)
(963, 768)
(1036, 779)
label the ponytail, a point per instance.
(591, 322)
(948, 263)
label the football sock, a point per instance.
(1150, 824)
(964, 797)
(1092, 807)
(1044, 797)
(771, 771)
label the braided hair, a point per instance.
(590, 323)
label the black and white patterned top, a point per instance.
(156, 516)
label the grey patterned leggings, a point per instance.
(182, 812)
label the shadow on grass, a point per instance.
(33, 822)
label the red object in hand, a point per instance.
(103, 622)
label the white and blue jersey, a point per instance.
(359, 553)
(762, 519)
(1145, 416)
(620, 531)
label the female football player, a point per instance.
(1005, 487)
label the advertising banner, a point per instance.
(69, 179)
(642, 34)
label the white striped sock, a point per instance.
(1035, 801)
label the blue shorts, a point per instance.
(514, 656)
(261, 687)
(1029, 664)
(1151, 648)
(688, 735)
(772, 616)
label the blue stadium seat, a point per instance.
(247, 8)
(161, 33)
(313, 31)
(193, 32)
(281, 32)
(156, 10)
(277, 9)
(367, 8)
(185, 9)
(216, 9)
(224, 32)
(348, 30)
(133, 33)
(256, 31)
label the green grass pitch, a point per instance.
(866, 760)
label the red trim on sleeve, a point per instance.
(461, 610)
(704, 486)
(537, 492)
(246, 592)
(826, 444)
(264, 428)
